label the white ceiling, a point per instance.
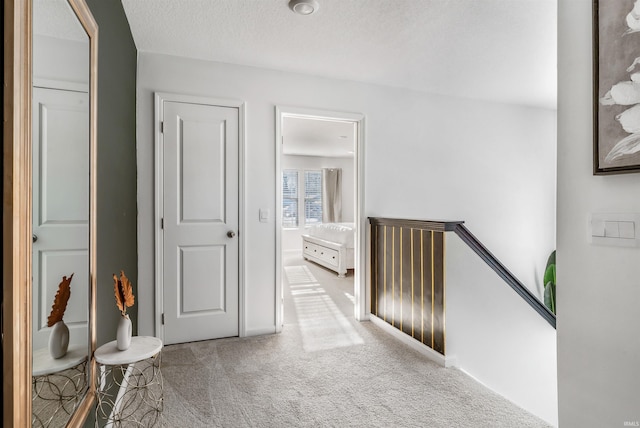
(55, 18)
(313, 137)
(500, 50)
(497, 50)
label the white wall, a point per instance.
(491, 165)
(496, 337)
(60, 60)
(426, 156)
(291, 238)
(598, 287)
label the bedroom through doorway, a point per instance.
(318, 230)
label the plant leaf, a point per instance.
(550, 296)
(117, 291)
(550, 270)
(127, 289)
(550, 274)
(60, 301)
(552, 258)
(123, 291)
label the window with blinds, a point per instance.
(289, 198)
(312, 197)
(301, 197)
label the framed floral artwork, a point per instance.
(616, 29)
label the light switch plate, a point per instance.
(611, 229)
(597, 227)
(264, 215)
(627, 229)
(614, 229)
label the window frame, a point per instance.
(296, 198)
(302, 198)
(307, 198)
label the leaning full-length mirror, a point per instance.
(49, 258)
(60, 212)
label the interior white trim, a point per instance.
(413, 343)
(60, 84)
(160, 97)
(260, 331)
(360, 290)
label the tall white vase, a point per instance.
(59, 340)
(123, 336)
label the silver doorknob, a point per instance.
(35, 237)
(231, 234)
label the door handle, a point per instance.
(35, 237)
(231, 234)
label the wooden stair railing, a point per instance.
(408, 276)
(513, 282)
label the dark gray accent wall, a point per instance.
(117, 195)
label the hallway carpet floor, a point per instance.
(324, 370)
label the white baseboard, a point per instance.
(260, 331)
(297, 252)
(434, 356)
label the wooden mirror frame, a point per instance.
(16, 211)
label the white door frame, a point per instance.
(160, 98)
(361, 294)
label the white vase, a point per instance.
(59, 340)
(123, 336)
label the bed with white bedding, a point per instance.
(330, 245)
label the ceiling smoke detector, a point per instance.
(304, 7)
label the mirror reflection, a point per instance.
(60, 191)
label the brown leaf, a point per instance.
(118, 294)
(123, 291)
(60, 301)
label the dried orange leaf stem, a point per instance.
(60, 301)
(123, 291)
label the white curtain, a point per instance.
(331, 195)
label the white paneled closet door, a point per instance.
(200, 221)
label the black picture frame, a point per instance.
(616, 109)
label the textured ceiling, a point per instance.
(498, 50)
(313, 137)
(55, 18)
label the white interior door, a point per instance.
(200, 221)
(60, 208)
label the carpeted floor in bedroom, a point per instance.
(324, 370)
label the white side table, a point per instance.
(129, 383)
(57, 385)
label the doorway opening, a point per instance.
(319, 222)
